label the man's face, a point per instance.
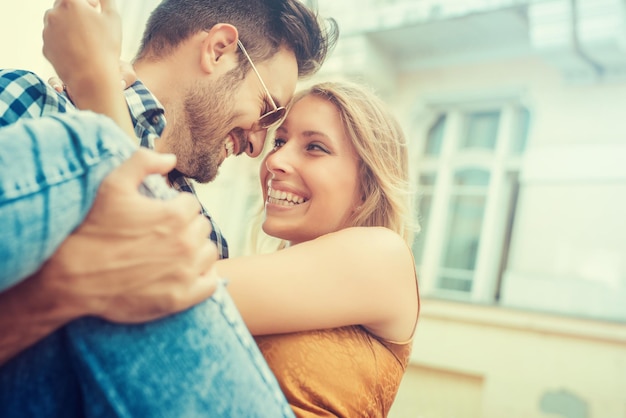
(218, 116)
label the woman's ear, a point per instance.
(219, 49)
(358, 206)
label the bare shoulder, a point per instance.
(381, 263)
(368, 239)
(370, 246)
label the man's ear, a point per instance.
(219, 49)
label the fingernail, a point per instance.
(123, 84)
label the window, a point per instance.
(467, 175)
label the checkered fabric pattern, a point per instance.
(24, 94)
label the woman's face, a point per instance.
(309, 180)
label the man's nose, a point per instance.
(256, 140)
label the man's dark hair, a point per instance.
(264, 26)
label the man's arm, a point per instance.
(133, 259)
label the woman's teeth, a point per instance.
(283, 198)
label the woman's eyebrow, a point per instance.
(314, 133)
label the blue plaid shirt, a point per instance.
(25, 95)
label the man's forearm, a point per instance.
(132, 259)
(28, 314)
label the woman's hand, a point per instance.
(82, 39)
(127, 73)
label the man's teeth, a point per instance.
(278, 197)
(229, 147)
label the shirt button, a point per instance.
(155, 120)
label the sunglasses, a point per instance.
(275, 115)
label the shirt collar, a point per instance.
(146, 112)
(148, 116)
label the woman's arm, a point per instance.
(354, 276)
(84, 44)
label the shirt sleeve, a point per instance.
(23, 94)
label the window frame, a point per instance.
(504, 167)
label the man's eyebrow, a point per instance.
(276, 102)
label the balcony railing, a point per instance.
(358, 16)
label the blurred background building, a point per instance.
(516, 115)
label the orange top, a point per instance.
(340, 372)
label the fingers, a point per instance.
(187, 208)
(92, 3)
(142, 163)
(108, 6)
(173, 292)
(202, 227)
(56, 84)
(128, 74)
(198, 236)
(207, 257)
(126, 71)
(203, 287)
(45, 17)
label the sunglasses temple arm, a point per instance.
(257, 74)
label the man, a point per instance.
(195, 70)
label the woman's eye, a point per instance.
(317, 147)
(278, 143)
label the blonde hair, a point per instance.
(378, 139)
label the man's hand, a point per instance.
(133, 259)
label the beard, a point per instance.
(206, 118)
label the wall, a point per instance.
(566, 265)
(20, 29)
(488, 362)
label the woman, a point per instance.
(334, 312)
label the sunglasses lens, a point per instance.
(271, 118)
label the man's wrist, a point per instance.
(51, 297)
(29, 313)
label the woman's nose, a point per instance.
(277, 161)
